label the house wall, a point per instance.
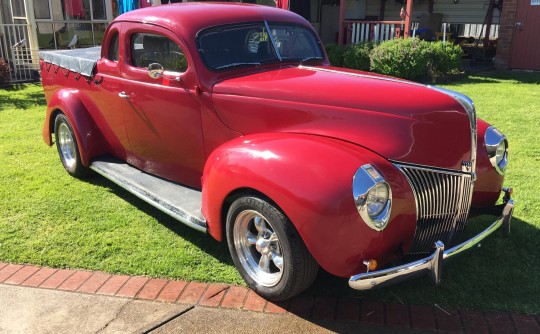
(506, 32)
(465, 11)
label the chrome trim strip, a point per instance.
(430, 265)
(140, 192)
(367, 76)
(468, 105)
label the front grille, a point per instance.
(443, 200)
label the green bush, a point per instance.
(403, 58)
(5, 74)
(445, 59)
(335, 54)
(357, 56)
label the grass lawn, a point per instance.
(48, 218)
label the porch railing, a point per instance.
(15, 50)
(372, 31)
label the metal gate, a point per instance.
(15, 50)
(525, 51)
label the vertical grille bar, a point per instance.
(443, 201)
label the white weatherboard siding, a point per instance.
(465, 11)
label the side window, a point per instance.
(150, 48)
(113, 47)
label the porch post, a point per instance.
(489, 20)
(341, 18)
(408, 19)
(32, 32)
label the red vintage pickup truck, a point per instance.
(230, 118)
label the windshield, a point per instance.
(252, 45)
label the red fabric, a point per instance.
(145, 3)
(283, 4)
(74, 8)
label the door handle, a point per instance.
(123, 95)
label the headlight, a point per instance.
(372, 196)
(497, 149)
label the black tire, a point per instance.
(256, 229)
(68, 150)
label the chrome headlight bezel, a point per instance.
(494, 140)
(366, 180)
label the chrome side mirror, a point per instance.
(155, 70)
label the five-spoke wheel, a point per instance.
(66, 144)
(267, 250)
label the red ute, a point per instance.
(229, 118)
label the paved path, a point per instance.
(45, 300)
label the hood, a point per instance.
(400, 120)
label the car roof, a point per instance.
(186, 19)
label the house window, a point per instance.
(42, 10)
(17, 7)
(58, 21)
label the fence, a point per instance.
(15, 50)
(372, 31)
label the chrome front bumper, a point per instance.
(433, 263)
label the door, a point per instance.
(162, 116)
(525, 51)
(108, 106)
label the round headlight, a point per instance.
(497, 149)
(377, 198)
(500, 154)
(372, 196)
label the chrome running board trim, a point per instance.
(179, 202)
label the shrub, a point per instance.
(445, 59)
(5, 74)
(357, 57)
(404, 58)
(335, 54)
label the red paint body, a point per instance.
(292, 133)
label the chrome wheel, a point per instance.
(66, 145)
(258, 248)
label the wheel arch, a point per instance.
(69, 102)
(309, 178)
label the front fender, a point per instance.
(310, 179)
(69, 102)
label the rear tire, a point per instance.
(267, 250)
(68, 150)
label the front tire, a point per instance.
(267, 250)
(68, 150)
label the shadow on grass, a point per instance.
(501, 275)
(205, 242)
(22, 101)
(496, 77)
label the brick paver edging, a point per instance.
(234, 297)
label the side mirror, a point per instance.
(155, 70)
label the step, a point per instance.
(180, 202)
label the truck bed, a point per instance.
(82, 61)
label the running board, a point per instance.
(179, 202)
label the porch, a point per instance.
(379, 20)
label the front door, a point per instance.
(525, 52)
(162, 116)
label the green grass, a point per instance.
(48, 218)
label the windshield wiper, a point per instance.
(310, 59)
(237, 65)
